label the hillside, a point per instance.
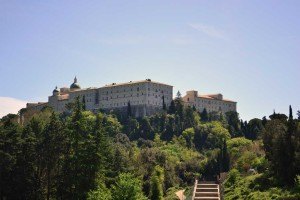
(82, 155)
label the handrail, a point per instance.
(195, 188)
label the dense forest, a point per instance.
(111, 156)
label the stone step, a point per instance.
(206, 194)
(207, 186)
(207, 182)
(207, 190)
(206, 198)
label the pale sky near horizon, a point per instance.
(248, 50)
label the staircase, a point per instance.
(205, 190)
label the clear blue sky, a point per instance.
(249, 50)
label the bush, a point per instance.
(233, 176)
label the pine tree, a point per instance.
(54, 147)
(11, 151)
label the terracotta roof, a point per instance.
(133, 82)
(205, 97)
(63, 97)
(229, 100)
(84, 89)
(209, 97)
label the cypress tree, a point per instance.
(264, 121)
(172, 108)
(204, 115)
(225, 157)
(178, 95)
(156, 184)
(83, 103)
(129, 113)
(164, 104)
(291, 113)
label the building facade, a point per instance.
(145, 97)
(211, 102)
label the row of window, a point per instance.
(131, 95)
(137, 89)
(204, 106)
(131, 103)
(211, 102)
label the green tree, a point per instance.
(254, 129)
(234, 123)
(10, 150)
(172, 108)
(264, 121)
(164, 104)
(54, 148)
(83, 103)
(291, 113)
(204, 115)
(132, 128)
(279, 150)
(146, 131)
(156, 184)
(129, 112)
(30, 183)
(189, 134)
(169, 132)
(101, 193)
(225, 160)
(81, 163)
(127, 187)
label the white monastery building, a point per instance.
(145, 97)
(211, 102)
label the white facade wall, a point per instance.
(146, 97)
(212, 103)
(115, 96)
(139, 93)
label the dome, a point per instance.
(75, 85)
(55, 91)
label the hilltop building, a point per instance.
(145, 98)
(211, 102)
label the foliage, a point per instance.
(280, 149)
(127, 188)
(156, 185)
(258, 187)
(101, 193)
(85, 155)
